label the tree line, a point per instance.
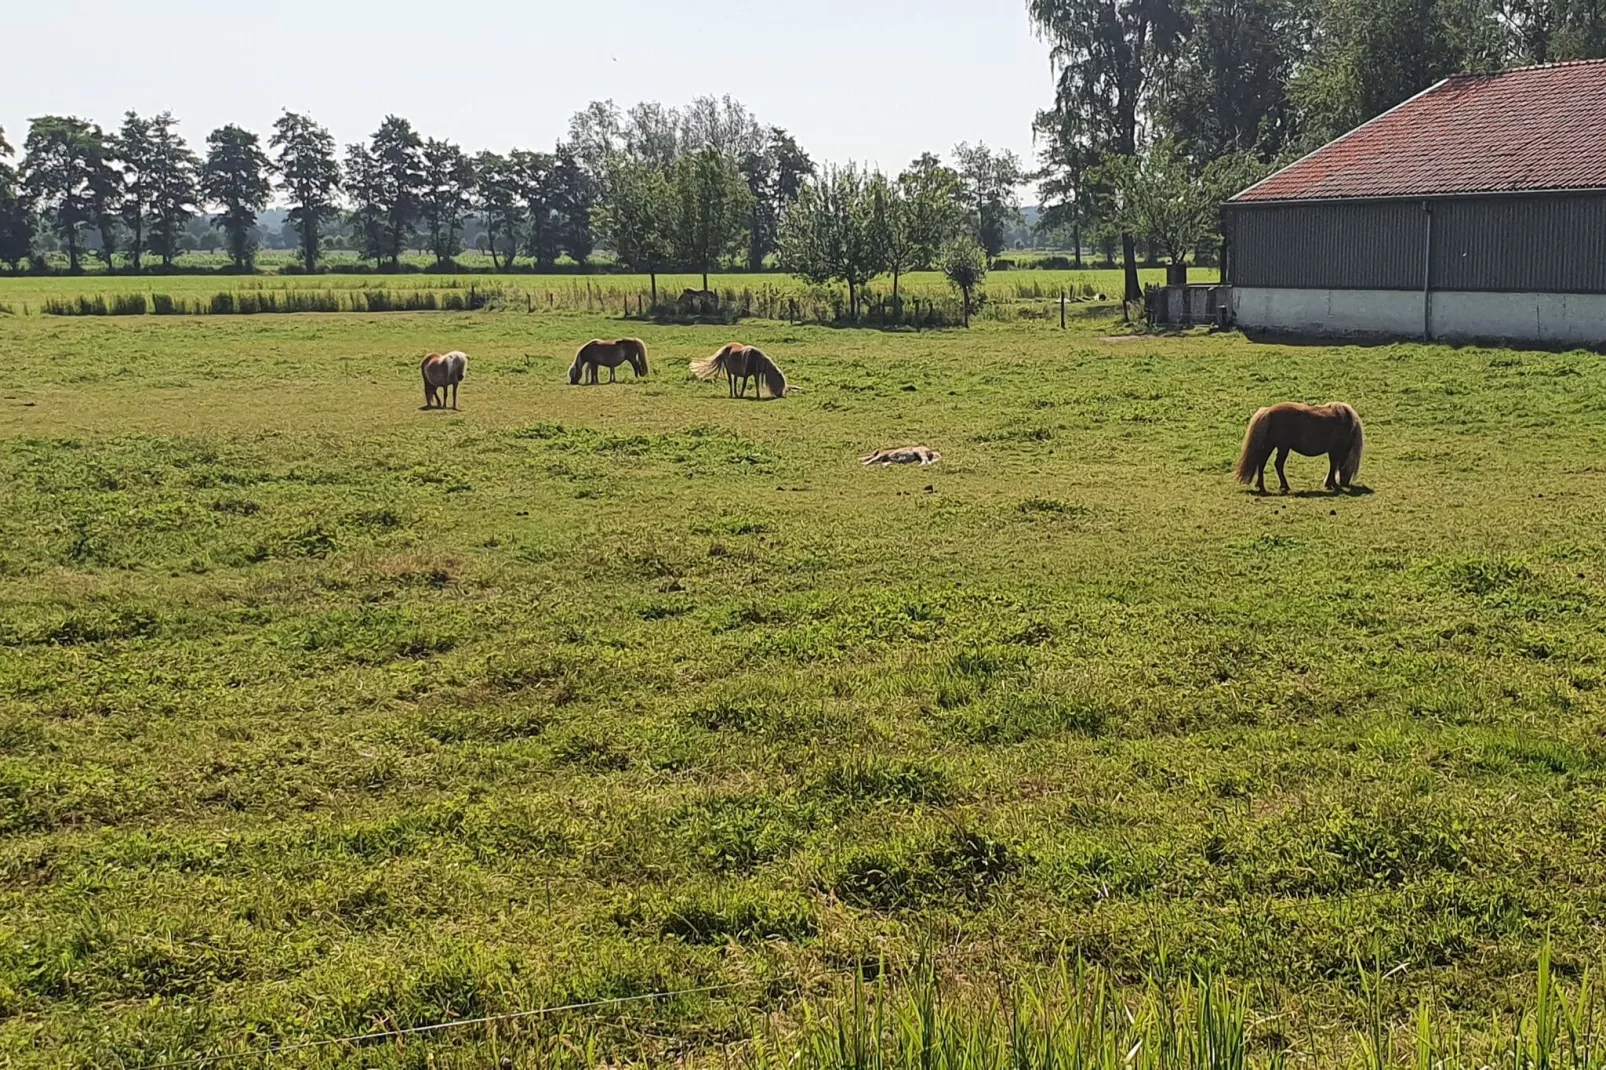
(662, 188)
(1162, 107)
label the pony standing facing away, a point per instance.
(597, 353)
(1311, 430)
(443, 373)
(740, 363)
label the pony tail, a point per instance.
(1253, 454)
(641, 356)
(773, 379)
(709, 367)
(1352, 462)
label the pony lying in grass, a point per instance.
(923, 455)
(1311, 430)
(740, 363)
(597, 353)
(443, 373)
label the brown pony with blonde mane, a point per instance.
(443, 373)
(1310, 430)
(740, 363)
(597, 353)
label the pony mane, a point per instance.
(768, 372)
(579, 361)
(636, 350)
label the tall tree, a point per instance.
(16, 216)
(235, 177)
(990, 181)
(574, 191)
(1109, 55)
(448, 181)
(1228, 91)
(1370, 55)
(537, 178)
(497, 200)
(310, 175)
(134, 151)
(1071, 198)
(774, 177)
(174, 187)
(712, 208)
(398, 154)
(365, 187)
(63, 165)
(723, 125)
(652, 134)
(837, 230)
(635, 215)
(596, 133)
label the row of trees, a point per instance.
(1192, 96)
(661, 187)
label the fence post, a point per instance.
(1062, 310)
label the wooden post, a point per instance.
(1062, 310)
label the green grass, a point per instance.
(321, 714)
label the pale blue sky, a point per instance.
(877, 81)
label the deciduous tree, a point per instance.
(635, 215)
(448, 182)
(989, 181)
(16, 215)
(774, 177)
(235, 177)
(174, 187)
(964, 263)
(711, 209)
(1109, 55)
(134, 150)
(310, 176)
(497, 200)
(398, 155)
(922, 211)
(365, 186)
(63, 162)
(837, 230)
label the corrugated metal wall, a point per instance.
(1548, 244)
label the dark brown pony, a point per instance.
(1311, 430)
(597, 353)
(740, 363)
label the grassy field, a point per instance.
(321, 714)
(589, 293)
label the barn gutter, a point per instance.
(1427, 274)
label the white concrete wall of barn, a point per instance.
(1550, 319)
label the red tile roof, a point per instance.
(1536, 128)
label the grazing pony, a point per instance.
(1311, 430)
(443, 373)
(597, 353)
(740, 363)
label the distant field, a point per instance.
(320, 714)
(566, 291)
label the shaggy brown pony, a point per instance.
(740, 363)
(443, 373)
(1311, 430)
(597, 353)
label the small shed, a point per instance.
(1476, 210)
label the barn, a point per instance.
(1474, 210)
